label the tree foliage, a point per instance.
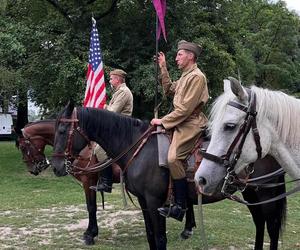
(44, 45)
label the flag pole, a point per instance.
(156, 69)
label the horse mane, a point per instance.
(282, 110)
(124, 127)
(39, 121)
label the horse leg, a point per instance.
(158, 222)
(159, 226)
(155, 223)
(148, 224)
(257, 217)
(190, 222)
(259, 222)
(273, 227)
(91, 203)
(275, 213)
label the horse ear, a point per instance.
(227, 86)
(70, 107)
(237, 89)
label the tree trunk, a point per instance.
(22, 112)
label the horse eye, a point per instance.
(229, 126)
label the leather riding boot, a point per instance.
(105, 181)
(178, 209)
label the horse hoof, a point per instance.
(88, 240)
(185, 234)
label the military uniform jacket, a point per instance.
(121, 101)
(190, 95)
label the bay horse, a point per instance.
(274, 121)
(143, 176)
(32, 142)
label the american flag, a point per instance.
(95, 93)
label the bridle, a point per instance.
(67, 154)
(231, 157)
(26, 144)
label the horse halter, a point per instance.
(67, 154)
(230, 161)
(33, 154)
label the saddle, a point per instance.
(191, 162)
(193, 159)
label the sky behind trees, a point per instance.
(293, 5)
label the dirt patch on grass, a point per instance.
(52, 226)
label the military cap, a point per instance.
(193, 47)
(118, 72)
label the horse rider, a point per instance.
(121, 102)
(186, 120)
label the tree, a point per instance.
(255, 39)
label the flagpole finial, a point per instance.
(93, 19)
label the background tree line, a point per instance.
(44, 46)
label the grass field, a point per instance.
(47, 212)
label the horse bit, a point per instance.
(232, 182)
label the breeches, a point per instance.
(100, 153)
(183, 141)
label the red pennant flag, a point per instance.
(160, 8)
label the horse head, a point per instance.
(69, 140)
(235, 137)
(32, 148)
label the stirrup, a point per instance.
(102, 187)
(175, 211)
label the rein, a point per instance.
(100, 166)
(281, 196)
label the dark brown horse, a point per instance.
(36, 135)
(144, 178)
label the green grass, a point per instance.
(45, 212)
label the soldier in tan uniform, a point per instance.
(121, 102)
(186, 120)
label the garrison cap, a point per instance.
(193, 47)
(118, 72)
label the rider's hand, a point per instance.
(161, 59)
(155, 121)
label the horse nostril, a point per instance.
(202, 181)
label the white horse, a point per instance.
(278, 126)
